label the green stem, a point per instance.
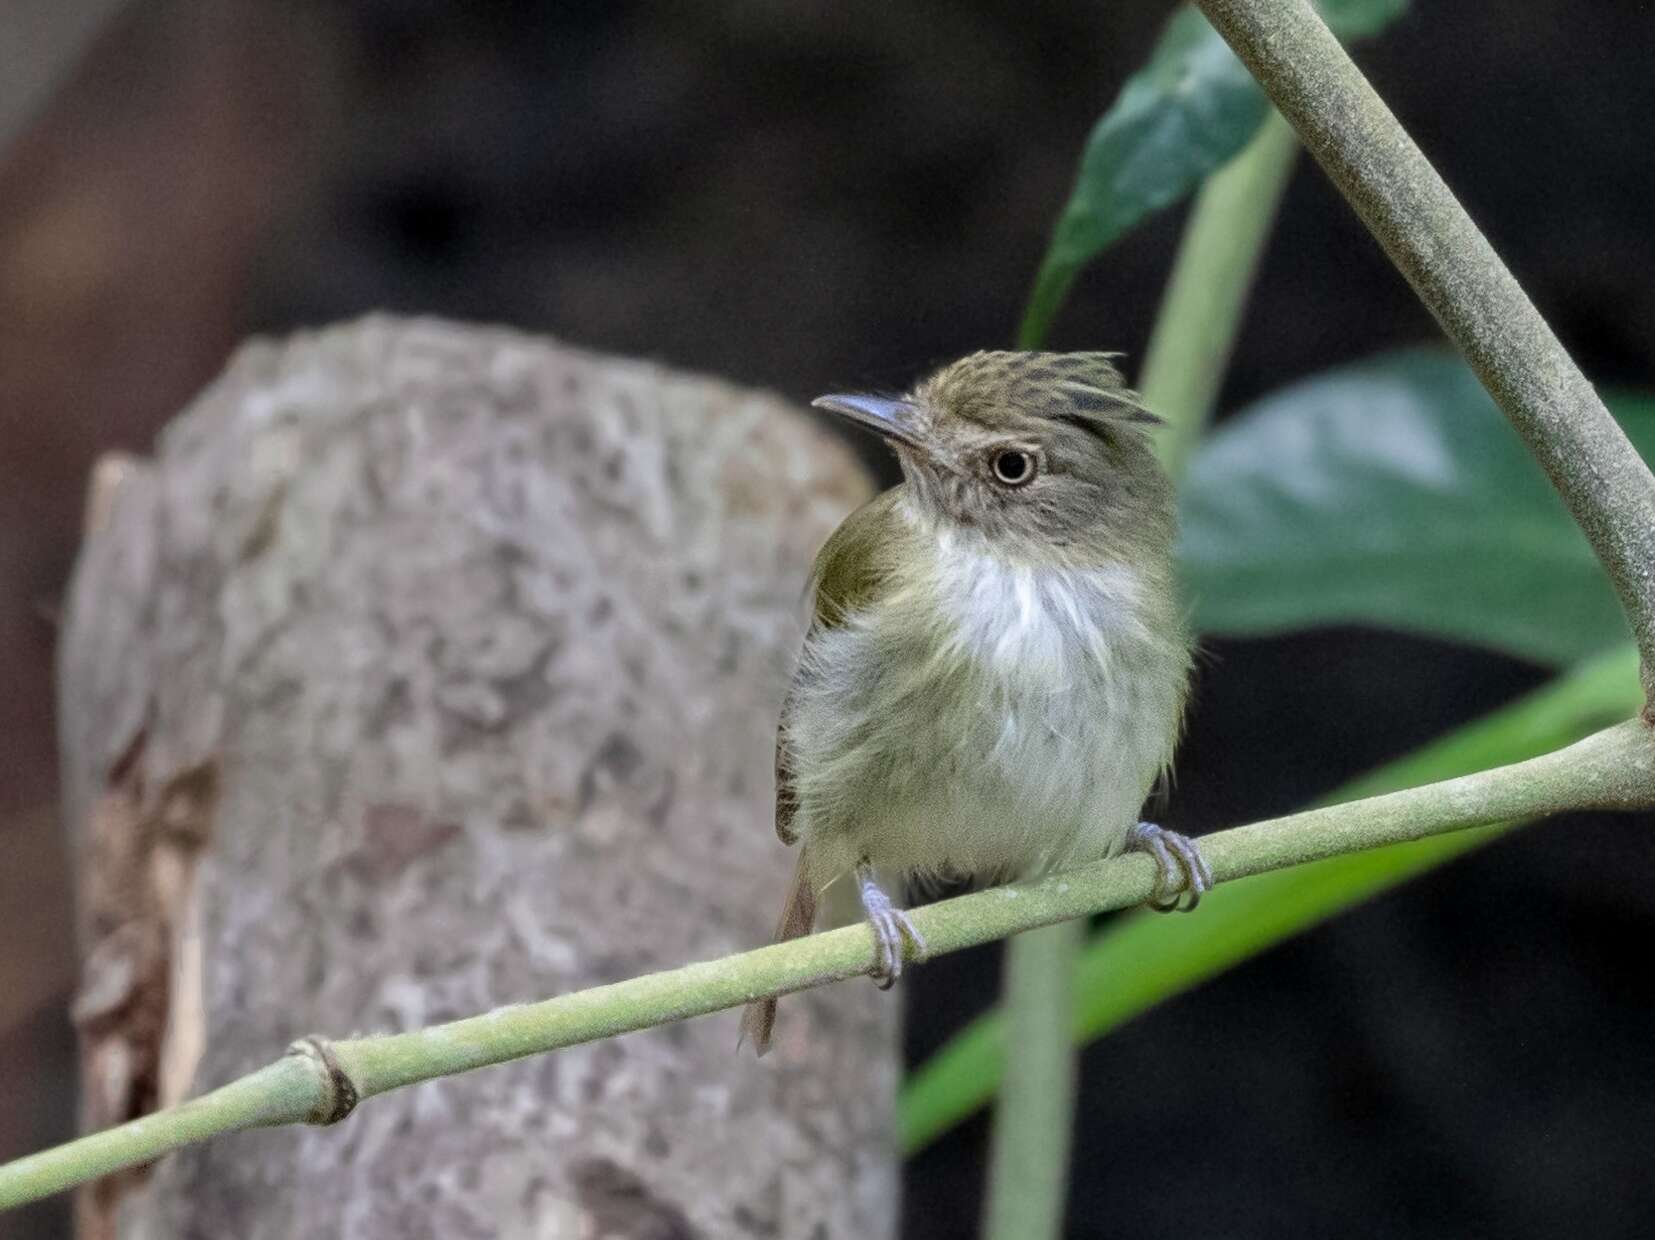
(289, 1091)
(1612, 769)
(1200, 314)
(1140, 959)
(1413, 214)
(1034, 1118)
(1194, 333)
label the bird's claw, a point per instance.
(890, 925)
(1182, 874)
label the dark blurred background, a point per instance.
(806, 196)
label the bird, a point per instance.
(996, 669)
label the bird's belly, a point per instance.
(959, 764)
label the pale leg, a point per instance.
(890, 926)
(1182, 872)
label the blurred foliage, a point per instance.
(1141, 959)
(1393, 492)
(1182, 116)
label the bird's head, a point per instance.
(1042, 456)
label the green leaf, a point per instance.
(1393, 492)
(1180, 117)
(1141, 960)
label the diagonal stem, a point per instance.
(1034, 1116)
(1200, 316)
(1406, 205)
(320, 1081)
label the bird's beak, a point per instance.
(890, 419)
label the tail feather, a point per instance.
(797, 920)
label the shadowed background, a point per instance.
(812, 197)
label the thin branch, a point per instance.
(1137, 961)
(1200, 315)
(289, 1091)
(1195, 331)
(1034, 1116)
(320, 1081)
(1456, 273)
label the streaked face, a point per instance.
(1043, 455)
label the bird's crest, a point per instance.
(1084, 388)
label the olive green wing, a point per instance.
(850, 573)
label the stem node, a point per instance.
(339, 1094)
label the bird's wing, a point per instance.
(850, 573)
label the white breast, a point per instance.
(1039, 627)
(986, 719)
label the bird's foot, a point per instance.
(890, 925)
(1182, 873)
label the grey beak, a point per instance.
(884, 416)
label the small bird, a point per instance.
(995, 674)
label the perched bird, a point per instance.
(995, 674)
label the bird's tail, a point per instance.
(798, 917)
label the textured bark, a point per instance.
(429, 669)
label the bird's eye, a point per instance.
(1013, 467)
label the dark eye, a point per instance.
(1013, 467)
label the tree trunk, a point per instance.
(428, 669)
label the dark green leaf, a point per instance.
(1140, 960)
(1393, 492)
(1184, 114)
